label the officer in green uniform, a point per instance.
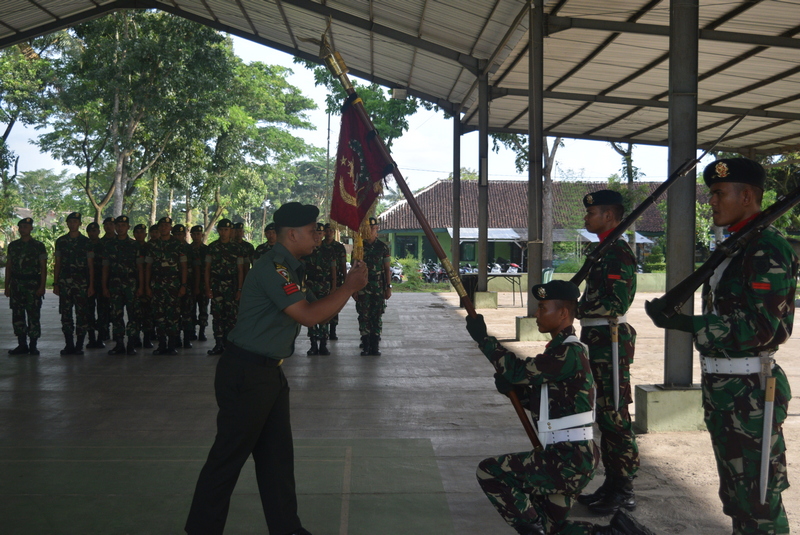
(748, 312)
(95, 306)
(120, 283)
(336, 253)
(371, 301)
(200, 308)
(165, 283)
(534, 490)
(224, 276)
(187, 300)
(610, 289)
(26, 276)
(248, 251)
(272, 237)
(73, 276)
(251, 389)
(320, 274)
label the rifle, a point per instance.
(674, 299)
(600, 250)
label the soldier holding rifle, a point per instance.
(748, 311)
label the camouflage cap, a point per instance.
(178, 228)
(224, 223)
(197, 228)
(140, 226)
(108, 220)
(602, 197)
(74, 215)
(558, 289)
(294, 214)
(92, 226)
(121, 219)
(741, 170)
(165, 219)
(25, 221)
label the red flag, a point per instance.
(360, 169)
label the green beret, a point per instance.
(74, 215)
(237, 226)
(92, 226)
(742, 170)
(602, 197)
(557, 289)
(197, 228)
(153, 228)
(25, 221)
(108, 220)
(294, 214)
(224, 223)
(270, 226)
(120, 219)
(140, 226)
(178, 228)
(165, 219)
(372, 221)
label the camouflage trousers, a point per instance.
(618, 449)
(144, 313)
(73, 295)
(200, 310)
(99, 310)
(123, 297)
(736, 437)
(223, 306)
(24, 302)
(166, 307)
(187, 308)
(320, 331)
(529, 485)
(370, 308)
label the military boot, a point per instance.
(622, 523)
(588, 499)
(187, 339)
(79, 345)
(323, 347)
(374, 345)
(173, 343)
(94, 341)
(332, 335)
(533, 528)
(22, 346)
(103, 334)
(119, 347)
(162, 346)
(135, 340)
(146, 342)
(131, 349)
(619, 495)
(69, 348)
(192, 334)
(365, 346)
(314, 349)
(32, 347)
(202, 336)
(218, 349)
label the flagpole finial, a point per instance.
(333, 60)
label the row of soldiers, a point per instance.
(164, 284)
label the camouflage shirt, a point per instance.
(24, 259)
(261, 250)
(165, 257)
(75, 254)
(375, 256)
(318, 272)
(336, 253)
(224, 259)
(610, 284)
(247, 252)
(121, 257)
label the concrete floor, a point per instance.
(385, 445)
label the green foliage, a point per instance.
(410, 270)
(570, 266)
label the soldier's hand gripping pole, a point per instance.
(335, 63)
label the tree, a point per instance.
(630, 174)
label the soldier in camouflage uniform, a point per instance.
(73, 277)
(336, 253)
(272, 239)
(120, 283)
(320, 274)
(144, 318)
(165, 282)
(26, 276)
(96, 301)
(748, 312)
(534, 490)
(248, 251)
(103, 322)
(187, 300)
(610, 289)
(197, 279)
(224, 276)
(371, 301)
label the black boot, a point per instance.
(79, 345)
(146, 343)
(619, 495)
(533, 528)
(103, 334)
(162, 346)
(69, 348)
(173, 343)
(323, 347)
(22, 347)
(332, 335)
(187, 339)
(94, 341)
(135, 340)
(131, 349)
(588, 499)
(192, 334)
(374, 346)
(202, 336)
(119, 348)
(218, 349)
(365, 346)
(314, 349)
(622, 524)
(32, 347)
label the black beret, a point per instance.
(237, 226)
(74, 215)
(140, 226)
(224, 223)
(294, 214)
(108, 220)
(557, 289)
(740, 170)
(372, 221)
(270, 226)
(165, 219)
(25, 221)
(178, 228)
(602, 197)
(320, 226)
(327, 226)
(153, 228)
(120, 219)
(197, 228)
(93, 226)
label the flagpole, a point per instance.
(335, 63)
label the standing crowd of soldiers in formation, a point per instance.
(165, 284)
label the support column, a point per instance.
(683, 64)
(455, 250)
(483, 188)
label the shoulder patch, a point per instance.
(283, 272)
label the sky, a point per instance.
(423, 154)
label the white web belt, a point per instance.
(599, 322)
